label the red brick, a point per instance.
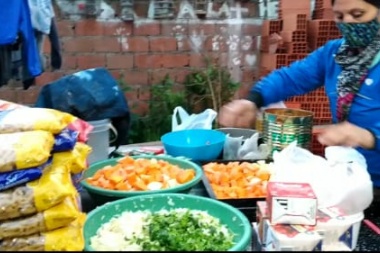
(106, 44)
(177, 75)
(147, 61)
(48, 77)
(162, 44)
(251, 29)
(117, 74)
(173, 28)
(151, 28)
(144, 93)
(184, 45)
(218, 40)
(69, 62)
(200, 28)
(139, 107)
(138, 44)
(8, 94)
(136, 77)
(118, 61)
(197, 60)
(117, 28)
(46, 47)
(243, 90)
(89, 27)
(175, 60)
(91, 61)
(65, 28)
(248, 76)
(132, 94)
(78, 45)
(181, 75)
(28, 97)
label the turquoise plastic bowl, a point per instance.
(196, 144)
(101, 196)
(228, 215)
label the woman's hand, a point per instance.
(346, 134)
(238, 113)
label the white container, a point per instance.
(337, 229)
(99, 140)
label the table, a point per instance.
(368, 240)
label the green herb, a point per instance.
(185, 230)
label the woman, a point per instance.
(350, 70)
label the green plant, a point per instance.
(211, 87)
(164, 98)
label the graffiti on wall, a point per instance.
(229, 38)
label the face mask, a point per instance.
(359, 34)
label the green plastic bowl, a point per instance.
(234, 219)
(101, 196)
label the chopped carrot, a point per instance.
(131, 174)
(235, 180)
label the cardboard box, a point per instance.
(291, 203)
(337, 228)
(292, 238)
(262, 215)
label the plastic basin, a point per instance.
(228, 215)
(196, 144)
(101, 195)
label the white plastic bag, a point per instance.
(181, 120)
(341, 180)
(236, 148)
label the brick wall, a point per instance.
(143, 51)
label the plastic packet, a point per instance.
(29, 119)
(53, 218)
(75, 159)
(68, 238)
(15, 178)
(24, 150)
(82, 127)
(65, 140)
(39, 195)
(7, 105)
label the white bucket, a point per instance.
(99, 140)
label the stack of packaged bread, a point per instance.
(42, 152)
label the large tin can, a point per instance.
(283, 126)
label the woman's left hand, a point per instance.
(346, 134)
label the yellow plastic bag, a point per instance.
(69, 238)
(51, 189)
(24, 149)
(76, 158)
(29, 119)
(58, 216)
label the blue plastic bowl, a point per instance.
(196, 144)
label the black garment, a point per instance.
(55, 55)
(5, 64)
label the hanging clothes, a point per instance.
(15, 22)
(42, 13)
(42, 17)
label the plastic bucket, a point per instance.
(99, 140)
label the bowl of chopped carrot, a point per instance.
(129, 176)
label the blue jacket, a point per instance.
(15, 21)
(320, 68)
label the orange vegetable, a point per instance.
(140, 174)
(236, 180)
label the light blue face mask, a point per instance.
(358, 35)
